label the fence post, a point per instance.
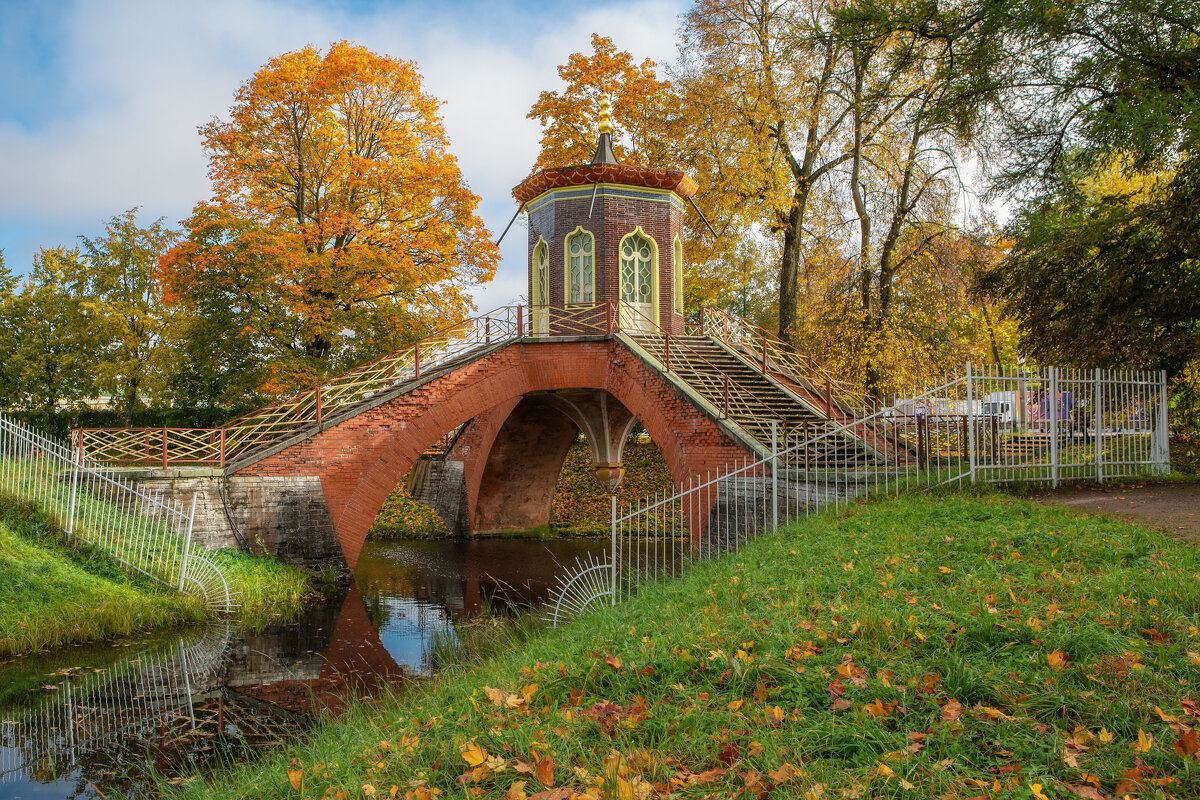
(667, 352)
(320, 411)
(76, 458)
(970, 422)
(417, 360)
(764, 355)
(520, 322)
(222, 448)
(613, 499)
(1097, 417)
(1053, 406)
(1164, 432)
(774, 474)
(164, 448)
(187, 542)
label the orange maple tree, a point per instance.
(643, 109)
(340, 225)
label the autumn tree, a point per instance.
(340, 225)
(763, 75)
(115, 279)
(643, 109)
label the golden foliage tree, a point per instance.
(340, 225)
(643, 109)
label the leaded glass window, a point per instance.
(542, 275)
(637, 264)
(581, 276)
(678, 270)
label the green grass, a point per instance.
(268, 590)
(56, 591)
(952, 646)
(53, 594)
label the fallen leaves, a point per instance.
(473, 754)
(504, 699)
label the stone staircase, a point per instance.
(750, 399)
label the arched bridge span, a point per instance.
(360, 456)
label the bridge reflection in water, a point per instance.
(96, 722)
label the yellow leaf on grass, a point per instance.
(1165, 716)
(473, 754)
(1057, 659)
(1036, 788)
(295, 778)
(1105, 737)
(945, 570)
(1144, 742)
(884, 771)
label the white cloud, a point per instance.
(140, 77)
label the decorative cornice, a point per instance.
(588, 174)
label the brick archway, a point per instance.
(360, 459)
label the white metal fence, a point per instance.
(989, 425)
(146, 531)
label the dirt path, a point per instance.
(1172, 507)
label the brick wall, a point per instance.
(614, 216)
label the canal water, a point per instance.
(101, 721)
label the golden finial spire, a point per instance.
(605, 116)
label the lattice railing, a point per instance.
(166, 447)
(147, 531)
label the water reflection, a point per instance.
(100, 721)
(102, 725)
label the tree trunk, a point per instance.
(789, 271)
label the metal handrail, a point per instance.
(717, 322)
(238, 438)
(728, 381)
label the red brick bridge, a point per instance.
(602, 344)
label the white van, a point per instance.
(1000, 405)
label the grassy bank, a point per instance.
(52, 594)
(957, 646)
(55, 591)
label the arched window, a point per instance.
(639, 261)
(581, 271)
(678, 272)
(541, 287)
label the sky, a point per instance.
(100, 100)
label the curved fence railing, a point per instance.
(988, 425)
(146, 531)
